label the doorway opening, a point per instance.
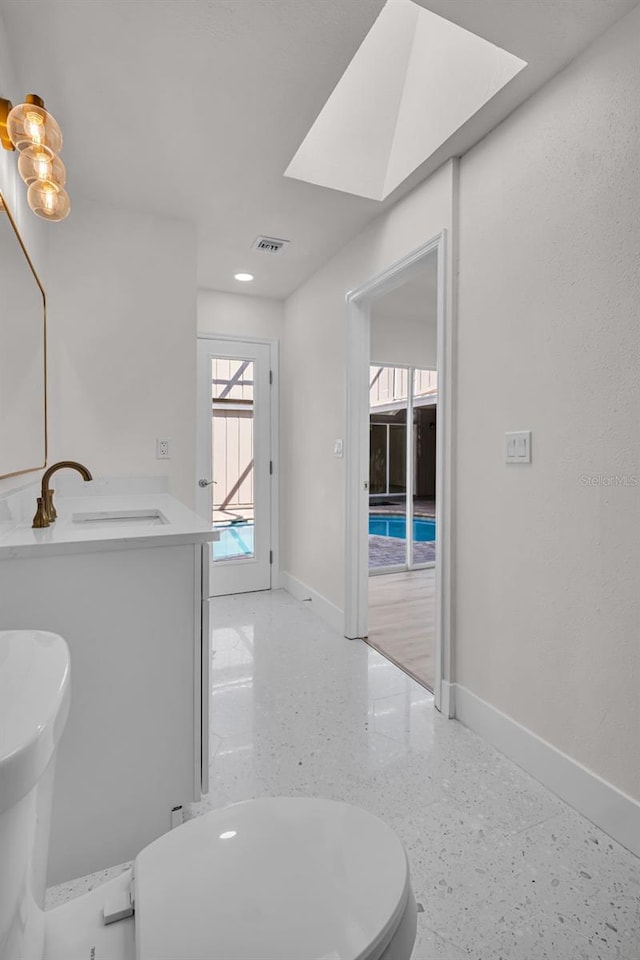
(236, 486)
(402, 468)
(398, 534)
(402, 503)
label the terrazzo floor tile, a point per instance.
(62, 892)
(573, 874)
(612, 916)
(214, 743)
(543, 939)
(504, 798)
(431, 946)
(402, 717)
(570, 860)
(502, 869)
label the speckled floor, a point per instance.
(502, 869)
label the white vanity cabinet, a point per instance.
(129, 604)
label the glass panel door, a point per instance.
(234, 457)
(232, 467)
(378, 459)
(398, 456)
(425, 387)
(402, 493)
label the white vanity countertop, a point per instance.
(66, 535)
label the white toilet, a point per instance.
(270, 879)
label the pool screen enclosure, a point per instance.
(402, 465)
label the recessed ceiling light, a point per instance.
(243, 277)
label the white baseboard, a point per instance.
(609, 808)
(328, 611)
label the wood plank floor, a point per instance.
(402, 611)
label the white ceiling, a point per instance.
(194, 108)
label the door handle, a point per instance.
(205, 483)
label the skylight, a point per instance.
(415, 79)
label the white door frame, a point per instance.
(274, 360)
(357, 455)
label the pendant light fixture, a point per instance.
(30, 129)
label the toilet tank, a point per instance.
(34, 703)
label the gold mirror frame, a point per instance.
(5, 208)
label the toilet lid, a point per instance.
(34, 702)
(271, 879)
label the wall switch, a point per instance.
(163, 448)
(337, 448)
(517, 446)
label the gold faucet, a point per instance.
(46, 512)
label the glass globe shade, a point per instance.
(48, 200)
(35, 164)
(29, 124)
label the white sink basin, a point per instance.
(152, 517)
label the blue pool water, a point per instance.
(384, 525)
(236, 540)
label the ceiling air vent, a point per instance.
(269, 245)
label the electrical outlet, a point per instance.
(163, 448)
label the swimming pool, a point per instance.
(388, 525)
(236, 540)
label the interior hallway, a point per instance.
(402, 610)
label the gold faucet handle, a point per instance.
(41, 518)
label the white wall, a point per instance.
(410, 340)
(313, 395)
(33, 231)
(122, 343)
(548, 565)
(404, 321)
(239, 315)
(121, 315)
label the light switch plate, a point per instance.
(337, 448)
(517, 446)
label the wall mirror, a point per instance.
(23, 376)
